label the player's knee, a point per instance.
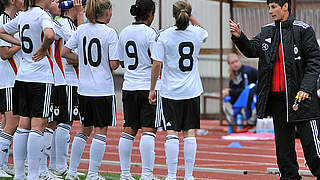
(147, 129)
(189, 133)
(101, 130)
(130, 131)
(172, 133)
(86, 130)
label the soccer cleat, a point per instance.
(153, 177)
(8, 169)
(95, 178)
(3, 174)
(126, 178)
(72, 177)
(48, 176)
(60, 172)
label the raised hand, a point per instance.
(235, 28)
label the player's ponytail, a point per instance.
(3, 5)
(96, 9)
(182, 11)
(142, 9)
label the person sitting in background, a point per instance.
(240, 77)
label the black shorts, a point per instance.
(97, 111)
(31, 99)
(64, 104)
(138, 112)
(6, 100)
(181, 114)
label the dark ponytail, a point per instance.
(182, 11)
(142, 8)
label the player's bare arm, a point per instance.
(7, 52)
(9, 38)
(71, 57)
(47, 41)
(156, 68)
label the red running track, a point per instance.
(214, 159)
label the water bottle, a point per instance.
(65, 5)
(269, 125)
(260, 124)
(202, 132)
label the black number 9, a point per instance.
(132, 55)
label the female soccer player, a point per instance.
(32, 89)
(177, 49)
(138, 113)
(97, 55)
(65, 97)
(10, 57)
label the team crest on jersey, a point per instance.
(265, 46)
(295, 50)
(75, 111)
(56, 112)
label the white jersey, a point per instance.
(135, 52)
(8, 67)
(178, 51)
(31, 24)
(55, 54)
(97, 44)
(71, 71)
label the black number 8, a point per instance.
(91, 62)
(132, 55)
(184, 57)
(25, 39)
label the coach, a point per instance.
(289, 64)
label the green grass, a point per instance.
(106, 175)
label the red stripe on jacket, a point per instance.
(278, 77)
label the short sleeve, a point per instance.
(120, 51)
(12, 26)
(113, 45)
(72, 43)
(46, 22)
(157, 49)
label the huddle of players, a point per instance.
(68, 69)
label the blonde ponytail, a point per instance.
(96, 9)
(182, 11)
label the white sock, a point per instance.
(52, 162)
(147, 154)
(125, 148)
(47, 135)
(172, 154)
(78, 145)
(190, 149)
(35, 143)
(20, 140)
(98, 147)
(62, 139)
(43, 159)
(5, 141)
